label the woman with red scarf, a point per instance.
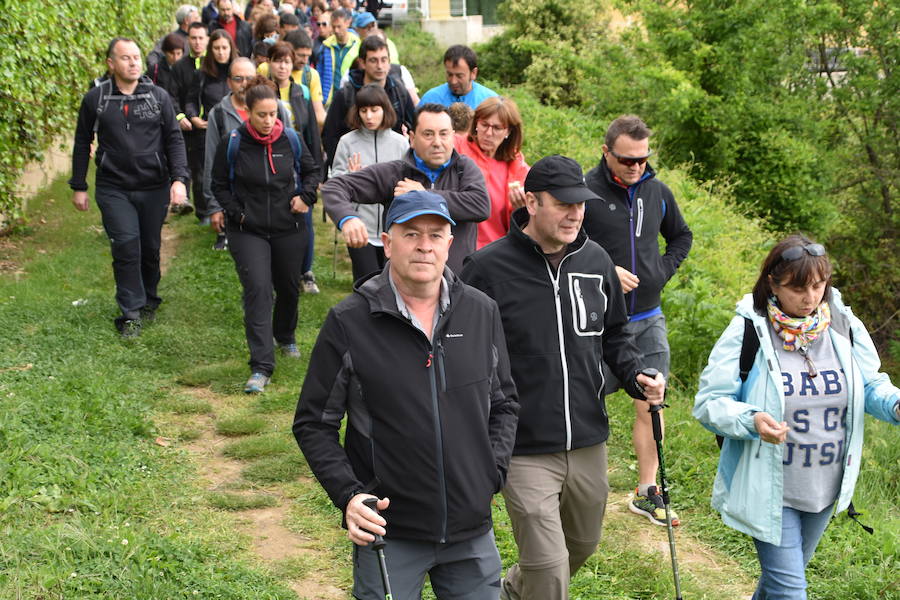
(494, 142)
(264, 196)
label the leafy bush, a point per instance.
(48, 56)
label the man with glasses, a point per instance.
(229, 114)
(633, 208)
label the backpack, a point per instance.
(234, 144)
(305, 78)
(749, 348)
(106, 95)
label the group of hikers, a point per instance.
(495, 304)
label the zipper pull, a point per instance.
(428, 363)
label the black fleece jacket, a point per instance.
(627, 222)
(139, 143)
(260, 201)
(430, 424)
(559, 326)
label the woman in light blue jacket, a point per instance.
(792, 425)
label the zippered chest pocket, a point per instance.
(589, 303)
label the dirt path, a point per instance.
(271, 541)
(708, 568)
(168, 248)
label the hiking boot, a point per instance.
(256, 383)
(148, 314)
(652, 507)
(185, 208)
(308, 283)
(289, 350)
(128, 328)
(221, 242)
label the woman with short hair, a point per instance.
(494, 142)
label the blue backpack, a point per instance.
(234, 143)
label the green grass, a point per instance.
(259, 446)
(230, 501)
(241, 425)
(80, 473)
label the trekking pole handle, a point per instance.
(651, 373)
(372, 504)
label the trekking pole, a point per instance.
(655, 409)
(334, 256)
(379, 545)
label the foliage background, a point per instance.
(49, 54)
(801, 122)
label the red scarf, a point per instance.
(267, 139)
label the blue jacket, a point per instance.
(749, 486)
(442, 95)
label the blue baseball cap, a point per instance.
(415, 204)
(363, 19)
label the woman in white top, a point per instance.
(371, 141)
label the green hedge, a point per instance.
(49, 53)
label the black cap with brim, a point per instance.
(560, 176)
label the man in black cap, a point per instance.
(563, 314)
(417, 360)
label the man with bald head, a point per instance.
(228, 114)
(141, 168)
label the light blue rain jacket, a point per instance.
(749, 486)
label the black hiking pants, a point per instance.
(133, 221)
(264, 264)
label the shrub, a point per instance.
(48, 56)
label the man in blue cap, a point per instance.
(417, 360)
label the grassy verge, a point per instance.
(91, 505)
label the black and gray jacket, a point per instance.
(461, 184)
(431, 424)
(560, 326)
(258, 200)
(139, 143)
(627, 222)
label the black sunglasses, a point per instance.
(795, 252)
(630, 161)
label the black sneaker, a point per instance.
(128, 328)
(221, 242)
(148, 314)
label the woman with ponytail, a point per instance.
(265, 179)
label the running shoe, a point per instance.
(256, 383)
(652, 507)
(308, 283)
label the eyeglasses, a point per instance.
(323, 23)
(488, 127)
(630, 161)
(240, 79)
(795, 252)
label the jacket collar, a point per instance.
(516, 232)
(378, 292)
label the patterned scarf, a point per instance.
(798, 333)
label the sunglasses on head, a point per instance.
(795, 252)
(630, 161)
